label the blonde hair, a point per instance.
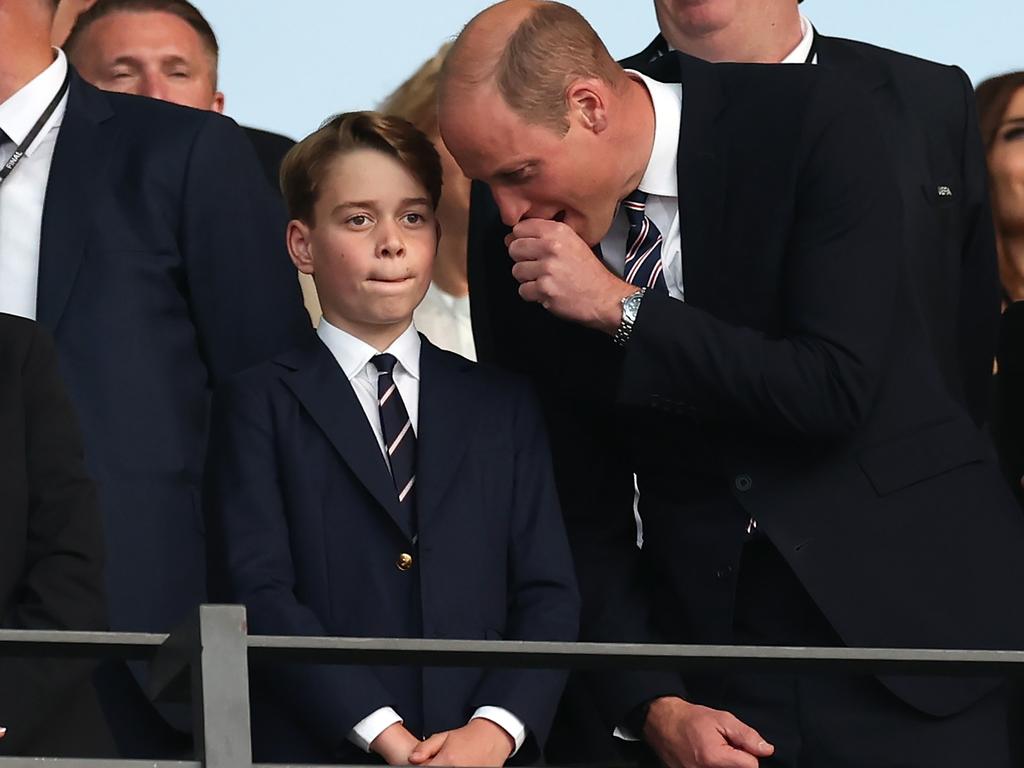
(416, 98)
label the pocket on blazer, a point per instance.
(927, 453)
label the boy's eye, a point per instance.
(1013, 134)
(359, 220)
(413, 218)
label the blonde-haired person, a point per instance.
(443, 316)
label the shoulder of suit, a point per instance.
(269, 138)
(151, 118)
(899, 64)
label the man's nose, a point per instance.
(511, 206)
(154, 87)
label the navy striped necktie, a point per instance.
(643, 267)
(399, 437)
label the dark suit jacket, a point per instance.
(51, 540)
(795, 385)
(305, 531)
(270, 150)
(930, 125)
(1009, 413)
(162, 270)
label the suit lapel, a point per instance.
(78, 159)
(702, 169)
(323, 389)
(445, 419)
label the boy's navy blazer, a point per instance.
(303, 530)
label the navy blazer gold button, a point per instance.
(404, 561)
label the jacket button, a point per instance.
(743, 483)
(404, 561)
(723, 573)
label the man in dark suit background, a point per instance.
(143, 236)
(164, 49)
(51, 552)
(805, 475)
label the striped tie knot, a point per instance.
(384, 363)
(635, 206)
(643, 266)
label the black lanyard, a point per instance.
(19, 152)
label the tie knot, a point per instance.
(384, 363)
(635, 205)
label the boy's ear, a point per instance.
(299, 246)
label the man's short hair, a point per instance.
(304, 167)
(183, 9)
(550, 48)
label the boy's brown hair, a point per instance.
(303, 168)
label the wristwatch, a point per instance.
(630, 307)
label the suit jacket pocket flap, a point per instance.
(924, 454)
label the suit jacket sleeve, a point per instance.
(245, 297)
(543, 599)
(62, 583)
(979, 277)
(817, 377)
(250, 562)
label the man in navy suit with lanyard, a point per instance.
(143, 236)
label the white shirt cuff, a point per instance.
(370, 727)
(622, 732)
(505, 720)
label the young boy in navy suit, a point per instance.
(370, 484)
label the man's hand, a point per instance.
(478, 743)
(685, 735)
(395, 744)
(558, 270)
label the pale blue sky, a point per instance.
(288, 64)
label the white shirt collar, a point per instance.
(21, 111)
(799, 54)
(660, 175)
(354, 354)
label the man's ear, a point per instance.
(217, 105)
(300, 247)
(588, 104)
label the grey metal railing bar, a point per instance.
(130, 646)
(506, 653)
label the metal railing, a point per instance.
(207, 659)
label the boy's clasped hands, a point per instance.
(478, 743)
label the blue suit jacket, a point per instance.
(304, 530)
(162, 269)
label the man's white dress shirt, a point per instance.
(354, 356)
(23, 192)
